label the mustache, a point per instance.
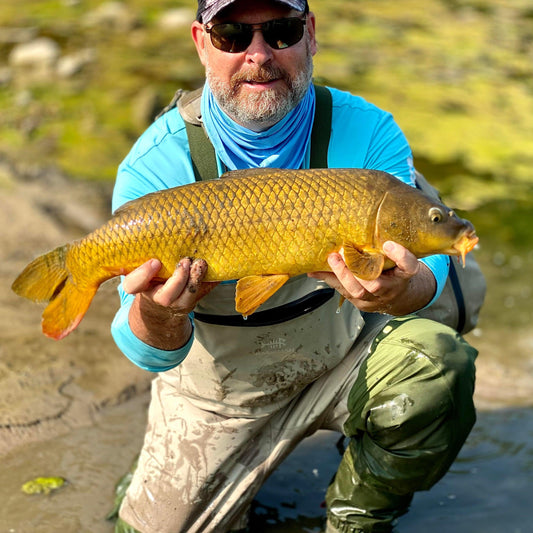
(261, 74)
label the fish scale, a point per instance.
(258, 226)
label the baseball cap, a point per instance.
(207, 9)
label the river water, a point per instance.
(487, 490)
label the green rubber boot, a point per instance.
(120, 491)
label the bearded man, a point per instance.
(232, 398)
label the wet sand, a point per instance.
(76, 408)
(48, 387)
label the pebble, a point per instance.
(41, 53)
(112, 15)
(72, 64)
(176, 19)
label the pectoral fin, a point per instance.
(364, 264)
(252, 291)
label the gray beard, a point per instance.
(259, 111)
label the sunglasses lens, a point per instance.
(231, 37)
(282, 33)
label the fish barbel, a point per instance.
(257, 226)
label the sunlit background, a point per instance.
(81, 79)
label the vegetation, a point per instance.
(457, 75)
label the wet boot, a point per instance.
(120, 491)
(411, 409)
(122, 527)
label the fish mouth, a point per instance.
(465, 244)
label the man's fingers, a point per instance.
(197, 288)
(406, 262)
(346, 278)
(169, 291)
(184, 288)
(140, 279)
(197, 274)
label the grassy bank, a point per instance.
(457, 75)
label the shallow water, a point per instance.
(91, 458)
(488, 489)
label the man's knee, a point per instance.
(417, 409)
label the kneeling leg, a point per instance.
(410, 411)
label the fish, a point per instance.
(256, 226)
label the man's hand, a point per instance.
(407, 287)
(159, 313)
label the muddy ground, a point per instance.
(49, 387)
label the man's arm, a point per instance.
(153, 327)
(406, 288)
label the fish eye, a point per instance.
(436, 215)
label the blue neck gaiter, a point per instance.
(284, 145)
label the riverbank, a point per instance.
(48, 388)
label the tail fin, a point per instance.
(42, 278)
(48, 279)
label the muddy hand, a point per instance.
(179, 293)
(159, 313)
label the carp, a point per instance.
(256, 226)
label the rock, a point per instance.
(35, 53)
(35, 59)
(114, 16)
(176, 19)
(17, 35)
(72, 64)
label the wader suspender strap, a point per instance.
(203, 154)
(458, 292)
(204, 161)
(205, 167)
(321, 128)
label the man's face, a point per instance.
(259, 86)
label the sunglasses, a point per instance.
(235, 37)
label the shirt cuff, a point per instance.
(143, 355)
(440, 267)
